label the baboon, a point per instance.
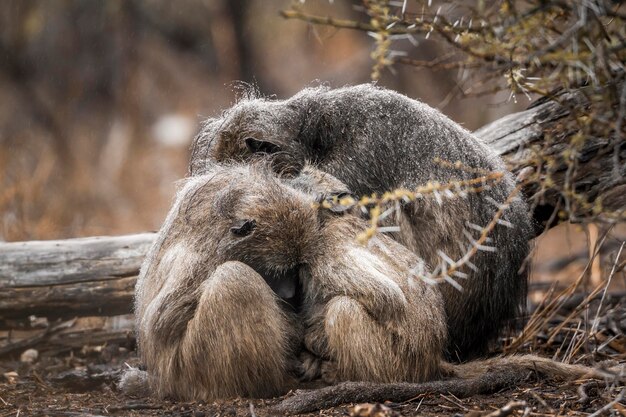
(375, 140)
(247, 275)
(199, 309)
(243, 258)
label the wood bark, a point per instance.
(89, 334)
(546, 127)
(72, 277)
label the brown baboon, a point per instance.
(210, 326)
(241, 257)
(244, 258)
(375, 140)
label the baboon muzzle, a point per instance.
(286, 285)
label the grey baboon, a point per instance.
(376, 140)
(243, 259)
(247, 275)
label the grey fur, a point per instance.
(375, 140)
(209, 325)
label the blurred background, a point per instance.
(99, 100)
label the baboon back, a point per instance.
(376, 140)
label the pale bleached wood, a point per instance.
(54, 262)
(72, 277)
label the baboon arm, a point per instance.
(362, 276)
(365, 350)
(223, 352)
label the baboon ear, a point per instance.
(243, 227)
(261, 146)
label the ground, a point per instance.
(36, 395)
(82, 382)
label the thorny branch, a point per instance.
(375, 205)
(536, 48)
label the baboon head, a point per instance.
(290, 133)
(252, 216)
(249, 131)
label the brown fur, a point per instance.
(209, 325)
(366, 314)
(375, 140)
(212, 326)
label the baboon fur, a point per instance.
(376, 140)
(210, 321)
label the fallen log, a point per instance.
(89, 334)
(546, 128)
(72, 277)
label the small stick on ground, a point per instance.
(508, 409)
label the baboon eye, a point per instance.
(345, 194)
(243, 227)
(261, 146)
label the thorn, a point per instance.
(453, 283)
(445, 257)
(501, 207)
(436, 271)
(486, 248)
(474, 226)
(437, 197)
(506, 223)
(389, 229)
(460, 274)
(428, 280)
(471, 266)
(387, 213)
(469, 236)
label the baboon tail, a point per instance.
(462, 380)
(521, 364)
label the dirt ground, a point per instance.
(82, 382)
(31, 397)
(75, 386)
